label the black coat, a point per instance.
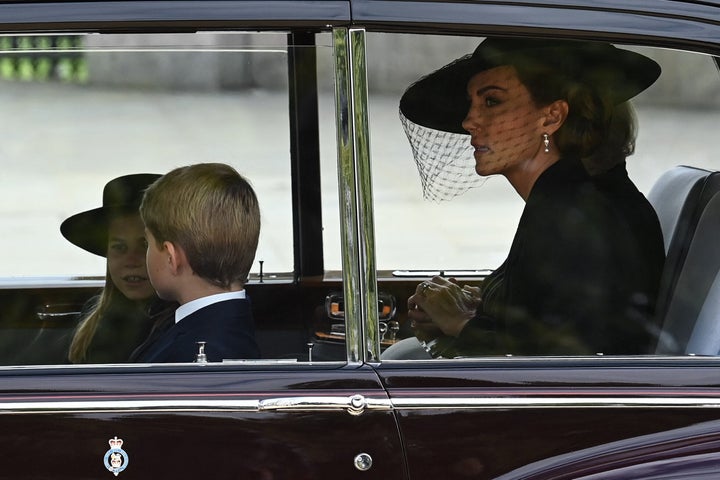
(123, 326)
(226, 327)
(582, 274)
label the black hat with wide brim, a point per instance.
(121, 196)
(439, 100)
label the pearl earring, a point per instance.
(546, 142)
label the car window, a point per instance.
(465, 227)
(85, 109)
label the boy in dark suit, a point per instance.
(202, 224)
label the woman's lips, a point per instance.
(481, 148)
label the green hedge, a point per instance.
(49, 58)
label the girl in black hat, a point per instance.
(584, 267)
(115, 322)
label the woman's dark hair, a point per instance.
(596, 131)
(619, 142)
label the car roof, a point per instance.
(119, 15)
(680, 20)
(671, 23)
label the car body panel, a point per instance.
(667, 454)
(221, 422)
(519, 419)
(599, 418)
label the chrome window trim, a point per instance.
(346, 192)
(355, 195)
(188, 367)
(8, 283)
(366, 221)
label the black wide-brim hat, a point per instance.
(121, 196)
(439, 100)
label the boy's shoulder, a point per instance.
(219, 312)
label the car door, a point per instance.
(260, 422)
(96, 90)
(531, 417)
(551, 418)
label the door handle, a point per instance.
(57, 312)
(354, 404)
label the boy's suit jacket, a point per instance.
(226, 327)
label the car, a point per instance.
(301, 96)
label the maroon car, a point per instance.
(302, 97)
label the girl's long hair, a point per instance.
(87, 327)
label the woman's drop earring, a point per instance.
(546, 142)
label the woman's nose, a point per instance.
(471, 121)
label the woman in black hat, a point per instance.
(115, 322)
(583, 270)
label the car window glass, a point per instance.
(85, 109)
(469, 235)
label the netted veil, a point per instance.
(444, 161)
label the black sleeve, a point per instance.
(565, 290)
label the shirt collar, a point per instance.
(195, 305)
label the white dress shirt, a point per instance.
(195, 305)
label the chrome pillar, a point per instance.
(355, 188)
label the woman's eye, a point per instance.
(491, 101)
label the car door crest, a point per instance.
(116, 459)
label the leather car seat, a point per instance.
(688, 205)
(676, 190)
(705, 338)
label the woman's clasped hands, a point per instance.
(442, 304)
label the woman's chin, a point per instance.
(483, 170)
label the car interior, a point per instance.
(686, 200)
(284, 138)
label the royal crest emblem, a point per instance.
(116, 459)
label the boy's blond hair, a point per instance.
(212, 213)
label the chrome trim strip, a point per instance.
(129, 406)
(355, 405)
(345, 125)
(421, 403)
(362, 338)
(355, 186)
(366, 222)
